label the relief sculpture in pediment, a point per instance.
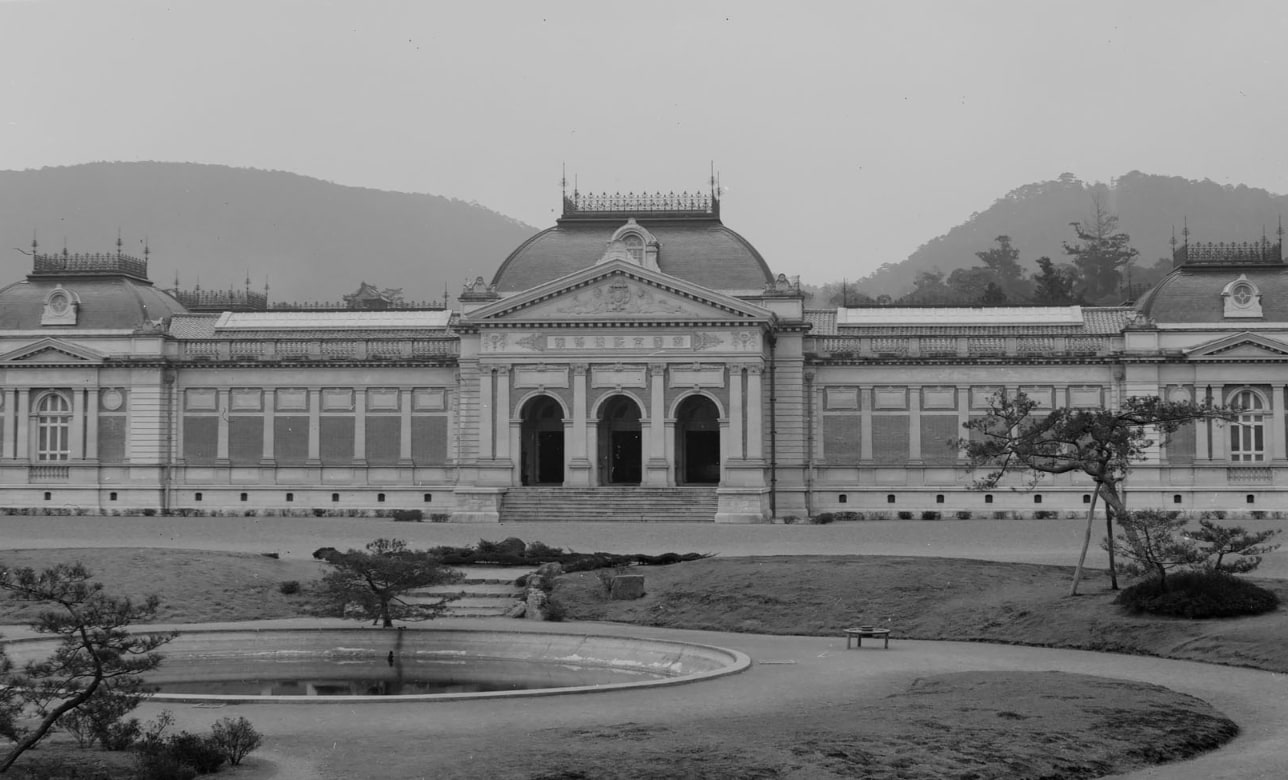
(621, 297)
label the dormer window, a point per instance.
(1242, 298)
(634, 248)
(60, 307)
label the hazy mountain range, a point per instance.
(1150, 209)
(311, 240)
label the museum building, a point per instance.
(636, 361)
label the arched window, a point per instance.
(634, 248)
(1248, 432)
(53, 427)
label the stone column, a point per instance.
(963, 412)
(503, 414)
(578, 474)
(487, 413)
(315, 426)
(737, 414)
(270, 409)
(91, 421)
(1220, 434)
(76, 434)
(221, 437)
(22, 409)
(657, 466)
(1279, 447)
(404, 426)
(755, 414)
(10, 419)
(359, 427)
(1201, 428)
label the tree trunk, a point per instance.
(385, 620)
(1113, 507)
(30, 741)
(1086, 542)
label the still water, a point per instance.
(380, 677)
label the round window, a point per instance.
(1242, 295)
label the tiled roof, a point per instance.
(958, 316)
(823, 320)
(1098, 320)
(701, 251)
(1107, 319)
(193, 326)
(332, 320)
(1193, 294)
(111, 303)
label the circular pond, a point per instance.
(353, 664)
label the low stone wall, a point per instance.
(219, 653)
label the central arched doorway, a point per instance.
(697, 442)
(541, 459)
(620, 450)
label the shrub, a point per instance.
(848, 516)
(197, 751)
(289, 587)
(149, 512)
(605, 577)
(790, 520)
(1197, 595)
(319, 511)
(439, 517)
(235, 738)
(539, 551)
(963, 514)
(555, 610)
(1045, 514)
(408, 516)
(905, 514)
(930, 514)
(823, 518)
(161, 766)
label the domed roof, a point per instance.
(109, 292)
(692, 243)
(1199, 291)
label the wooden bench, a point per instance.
(860, 633)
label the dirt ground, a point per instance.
(978, 724)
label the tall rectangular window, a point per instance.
(53, 428)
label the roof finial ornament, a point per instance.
(1185, 230)
(119, 244)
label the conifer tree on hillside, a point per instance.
(1101, 250)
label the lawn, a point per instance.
(962, 725)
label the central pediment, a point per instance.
(50, 350)
(1241, 346)
(617, 291)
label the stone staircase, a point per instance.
(609, 504)
(489, 591)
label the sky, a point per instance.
(846, 134)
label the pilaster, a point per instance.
(657, 467)
(578, 471)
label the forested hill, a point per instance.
(312, 240)
(1037, 217)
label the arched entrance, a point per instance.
(697, 442)
(620, 451)
(541, 460)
